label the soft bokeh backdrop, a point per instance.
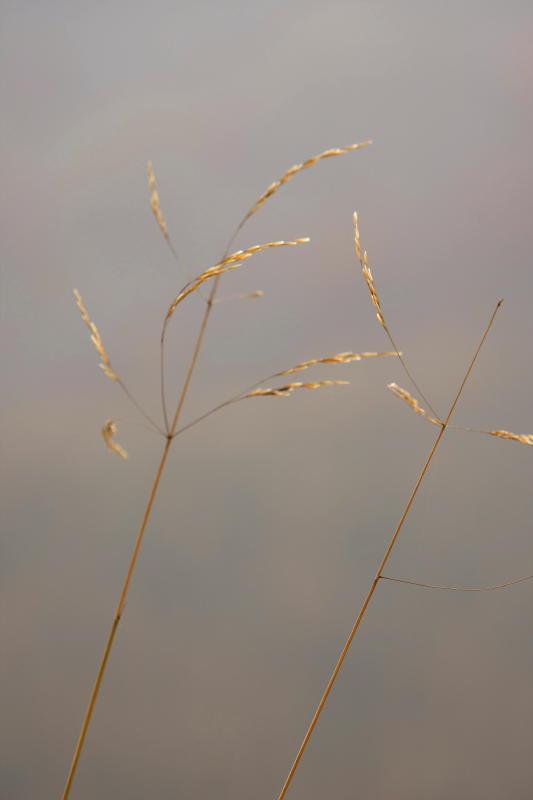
(274, 514)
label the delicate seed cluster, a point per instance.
(154, 202)
(230, 262)
(241, 255)
(338, 358)
(336, 151)
(283, 391)
(95, 338)
(367, 274)
(108, 432)
(525, 438)
(403, 394)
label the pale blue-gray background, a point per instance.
(272, 516)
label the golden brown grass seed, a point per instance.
(338, 358)
(108, 432)
(367, 274)
(403, 394)
(524, 438)
(336, 151)
(230, 262)
(154, 201)
(95, 337)
(283, 391)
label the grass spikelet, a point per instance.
(284, 391)
(241, 255)
(367, 274)
(338, 358)
(95, 337)
(403, 394)
(230, 262)
(524, 438)
(108, 432)
(154, 202)
(336, 151)
(369, 279)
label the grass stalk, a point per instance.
(169, 433)
(388, 551)
(140, 535)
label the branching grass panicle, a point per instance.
(171, 428)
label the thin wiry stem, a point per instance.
(140, 535)
(116, 619)
(384, 560)
(138, 406)
(162, 382)
(208, 414)
(458, 588)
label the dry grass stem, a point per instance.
(336, 151)
(228, 263)
(283, 391)
(338, 358)
(362, 611)
(154, 202)
(95, 338)
(458, 588)
(108, 432)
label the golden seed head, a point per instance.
(154, 201)
(95, 337)
(230, 262)
(524, 438)
(336, 151)
(108, 431)
(403, 394)
(338, 358)
(284, 391)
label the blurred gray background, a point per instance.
(273, 515)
